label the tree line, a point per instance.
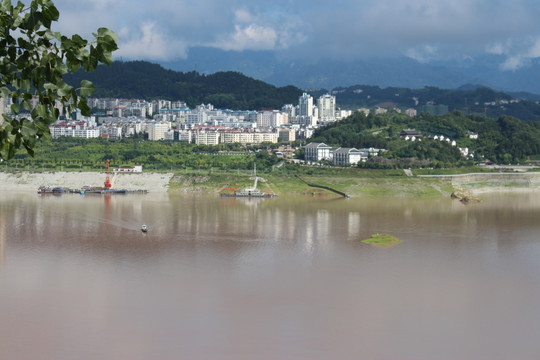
(69, 153)
(225, 90)
(502, 140)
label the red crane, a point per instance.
(108, 184)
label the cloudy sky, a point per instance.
(426, 30)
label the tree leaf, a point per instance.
(28, 129)
(33, 60)
(64, 89)
(87, 88)
(50, 12)
(85, 109)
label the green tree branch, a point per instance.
(33, 61)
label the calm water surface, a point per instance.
(284, 278)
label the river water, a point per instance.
(285, 278)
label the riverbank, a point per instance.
(478, 183)
(212, 183)
(30, 181)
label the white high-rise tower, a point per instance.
(327, 107)
(305, 105)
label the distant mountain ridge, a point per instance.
(384, 72)
(144, 80)
(233, 90)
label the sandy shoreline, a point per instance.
(28, 181)
(472, 184)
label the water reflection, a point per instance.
(282, 278)
(2, 241)
(322, 222)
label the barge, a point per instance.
(251, 192)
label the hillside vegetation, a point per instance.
(467, 99)
(502, 140)
(225, 90)
(233, 90)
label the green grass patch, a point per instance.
(283, 184)
(453, 171)
(382, 240)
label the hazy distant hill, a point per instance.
(383, 72)
(264, 65)
(144, 80)
(468, 99)
(232, 90)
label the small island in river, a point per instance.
(382, 240)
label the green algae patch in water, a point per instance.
(382, 240)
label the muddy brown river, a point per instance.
(285, 278)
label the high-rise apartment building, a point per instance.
(327, 107)
(157, 130)
(305, 105)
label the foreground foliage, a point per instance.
(33, 61)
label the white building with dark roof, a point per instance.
(349, 156)
(317, 152)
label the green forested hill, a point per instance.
(233, 90)
(144, 80)
(467, 99)
(502, 140)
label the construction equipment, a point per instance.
(108, 184)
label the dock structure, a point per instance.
(323, 187)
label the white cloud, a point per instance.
(496, 49)
(253, 37)
(534, 50)
(422, 29)
(243, 16)
(151, 44)
(513, 63)
(422, 54)
(519, 53)
(260, 31)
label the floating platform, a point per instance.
(57, 190)
(112, 191)
(249, 195)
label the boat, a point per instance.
(144, 228)
(99, 190)
(57, 190)
(251, 192)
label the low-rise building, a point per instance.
(410, 134)
(348, 156)
(206, 138)
(317, 152)
(156, 130)
(129, 169)
(287, 135)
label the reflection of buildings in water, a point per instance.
(353, 224)
(323, 224)
(309, 235)
(291, 218)
(2, 241)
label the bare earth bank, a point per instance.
(28, 181)
(472, 184)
